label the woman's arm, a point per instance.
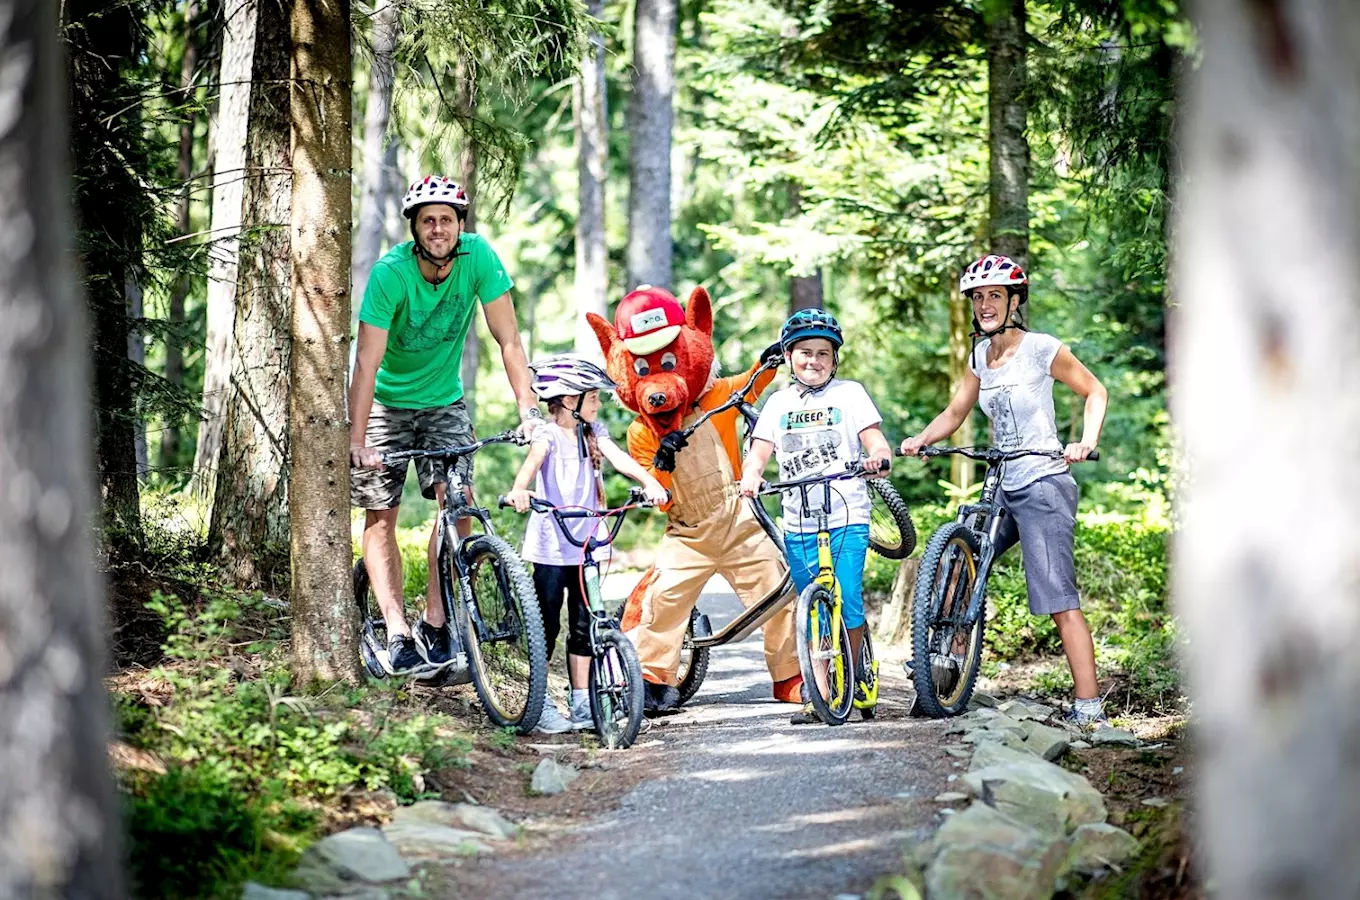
(947, 422)
(1069, 370)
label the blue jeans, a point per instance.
(849, 546)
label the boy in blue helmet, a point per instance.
(817, 424)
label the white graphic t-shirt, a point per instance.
(815, 434)
(1018, 399)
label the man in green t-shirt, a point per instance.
(407, 392)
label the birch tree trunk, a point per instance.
(57, 803)
(229, 163)
(248, 528)
(325, 620)
(1266, 396)
(1008, 210)
(650, 119)
(373, 182)
(592, 168)
(174, 348)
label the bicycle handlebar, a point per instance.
(992, 454)
(505, 437)
(636, 500)
(853, 469)
(737, 398)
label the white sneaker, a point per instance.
(552, 721)
(581, 719)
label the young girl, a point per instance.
(1010, 374)
(564, 462)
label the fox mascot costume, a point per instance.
(662, 358)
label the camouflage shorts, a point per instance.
(391, 429)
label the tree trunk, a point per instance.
(325, 620)
(1008, 211)
(1265, 344)
(56, 795)
(466, 100)
(174, 348)
(248, 529)
(805, 291)
(136, 351)
(373, 184)
(962, 471)
(894, 625)
(592, 169)
(229, 163)
(108, 197)
(394, 222)
(649, 171)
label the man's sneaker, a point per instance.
(1086, 721)
(401, 657)
(581, 719)
(433, 643)
(552, 721)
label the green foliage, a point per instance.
(247, 757)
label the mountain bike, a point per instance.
(824, 653)
(892, 535)
(489, 603)
(615, 683)
(949, 605)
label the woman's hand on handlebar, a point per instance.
(519, 499)
(911, 446)
(1078, 452)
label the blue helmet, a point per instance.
(811, 323)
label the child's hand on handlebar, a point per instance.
(750, 484)
(519, 499)
(654, 492)
(877, 466)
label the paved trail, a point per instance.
(736, 803)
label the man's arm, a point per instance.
(500, 320)
(367, 357)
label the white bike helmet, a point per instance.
(990, 270)
(565, 375)
(434, 189)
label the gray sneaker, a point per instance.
(581, 719)
(552, 721)
(1086, 722)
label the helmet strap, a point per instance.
(438, 262)
(580, 424)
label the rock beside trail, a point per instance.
(983, 853)
(486, 821)
(1036, 791)
(417, 839)
(253, 891)
(1097, 846)
(1114, 737)
(552, 777)
(348, 859)
(1045, 741)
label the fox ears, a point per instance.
(698, 315)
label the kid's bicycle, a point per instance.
(891, 535)
(949, 605)
(615, 684)
(489, 604)
(824, 651)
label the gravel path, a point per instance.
(734, 802)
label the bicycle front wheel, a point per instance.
(503, 631)
(824, 655)
(615, 689)
(892, 534)
(946, 648)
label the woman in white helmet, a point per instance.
(564, 464)
(1010, 374)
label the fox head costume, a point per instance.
(660, 355)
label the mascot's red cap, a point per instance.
(648, 319)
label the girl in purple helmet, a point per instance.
(1010, 374)
(564, 466)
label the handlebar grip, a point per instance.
(502, 503)
(1094, 457)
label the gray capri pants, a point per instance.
(1043, 517)
(390, 429)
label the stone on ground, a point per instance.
(348, 858)
(552, 777)
(253, 891)
(1114, 737)
(1043, 740)
(1097, 846)
(484, 820)
(1033, 790)
(1024, 709)
(981, 853)
(427, 839)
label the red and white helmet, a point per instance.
(648, 319)
(990, 270)
(433, 189)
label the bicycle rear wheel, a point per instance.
(824, 655)
(372, 628)
(615, 689)
(503, 631)
(947, 650)
(892, 534)
(693, 660)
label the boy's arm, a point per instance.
(754, 467)
(877, 453)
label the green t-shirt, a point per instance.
(427, 324)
